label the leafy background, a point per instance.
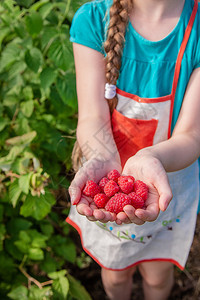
(38, 111)
(40, 254)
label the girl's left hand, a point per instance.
(143, 166)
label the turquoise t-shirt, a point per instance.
(147, 68)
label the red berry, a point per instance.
(113, 175)
(117, 203)
(141, 189)
(131, 177)
(91, 189)
(136, 200)
(102, 183)
(126, 184)
(101, 200)
(111, 188)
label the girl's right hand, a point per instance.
(94, 169)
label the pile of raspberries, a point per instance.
(115, 191)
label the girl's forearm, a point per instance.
(177, 153)
(96, 139)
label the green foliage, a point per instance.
(38, 111)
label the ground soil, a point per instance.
(187, 282)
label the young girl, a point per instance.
(150, 50)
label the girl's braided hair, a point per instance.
(119, 16)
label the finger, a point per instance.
(92, 219)
(165, 199)
(104, 216)
(164, 190)
(149, 214)
(130, 212)
(77, 185)
(83, 208)
(118, 222)
(129, 216)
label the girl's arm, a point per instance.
(94, 132)
(181, 150)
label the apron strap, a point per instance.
(179, 60)
(182, 48)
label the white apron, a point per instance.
(169, 238)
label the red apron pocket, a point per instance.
(131, 135)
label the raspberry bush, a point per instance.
(37, 131)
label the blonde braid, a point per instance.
(119, 16)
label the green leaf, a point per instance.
(14, 226)
(76, 290)
(39, 294)
(64, 248)
(3, 33)
(37, 207)
(6, 263)
(49, 34)
(14, 192)
(24, 182)
(38, 239)
(56, 275)
(60, 288)
(2, 235)
(47, 77)
(60, 53)
(19, 293)
(38, 4)
(67, 90)
(28, 93)
(34, 59)
(46, 9)
(17, 68)
(47, 228)
(14, 152)
(34, 23)
(1, 212)
(49, 264)
(10, 54)
(36, 254)
(24, 139)
(3, 123)
(12, 249)
(22, 247)
(24, 3)
(27, 108)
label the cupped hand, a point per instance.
(144, 166)
(94, 169)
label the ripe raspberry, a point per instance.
(102, 183)
(91, 189)
(141, 189)
(111, 188)
(117, 203)
(131, 177)
(126, 184)
(136, 200)
(113, 175)
(101, 200)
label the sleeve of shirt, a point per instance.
(197, 34)
(88, 27)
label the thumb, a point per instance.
(77, 185)
(165, 192)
